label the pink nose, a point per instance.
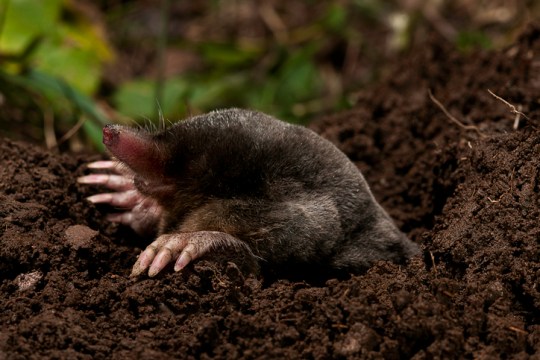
(110, 135)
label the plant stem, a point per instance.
(161, 48)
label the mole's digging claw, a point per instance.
(103, 164)
(182, 248)
(114, 182)
(141, 213)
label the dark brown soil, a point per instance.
(470, 198)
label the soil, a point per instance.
(468, 193)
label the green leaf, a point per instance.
(226, 55)
(80, 68)
(61, 94)
(336, 17)
(75, 54)
(173, 97)
(25, 20)
(213, 92)
(137, 98)
(469, 40)
(94, 133)
(298, 77)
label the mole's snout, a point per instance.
(110, 135)
(134, 148)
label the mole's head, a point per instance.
(148, 155)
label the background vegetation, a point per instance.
(69, 66)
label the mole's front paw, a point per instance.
(141, 213)
(183, 248)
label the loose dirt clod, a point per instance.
(80, 236)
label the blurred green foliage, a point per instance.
(35, 34)
(284, 73)
(233, 76)
(469, 40)
(294, 79)
(54, 57)
(24, 21)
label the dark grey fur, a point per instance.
(289, 194)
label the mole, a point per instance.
(244, 182)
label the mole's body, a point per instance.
(242, 180)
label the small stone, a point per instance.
(28, 280)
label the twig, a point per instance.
(448, 293)
(510, 191)
(513, 328)
(161, 49)
(512, 109)
(452, 118)
(431, 11)
(48, 128)
(496, 201)
(517, 118)
(272, 19)
(72, 131)
(433, 262)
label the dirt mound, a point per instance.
(470, 196)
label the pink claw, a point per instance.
(183, 261)
(126, 199)
(100, 198)
(183, 248)
(144, 261)
(103, 164)
(163, 258)
(114, 182)
(142, 213)
(111, 165)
